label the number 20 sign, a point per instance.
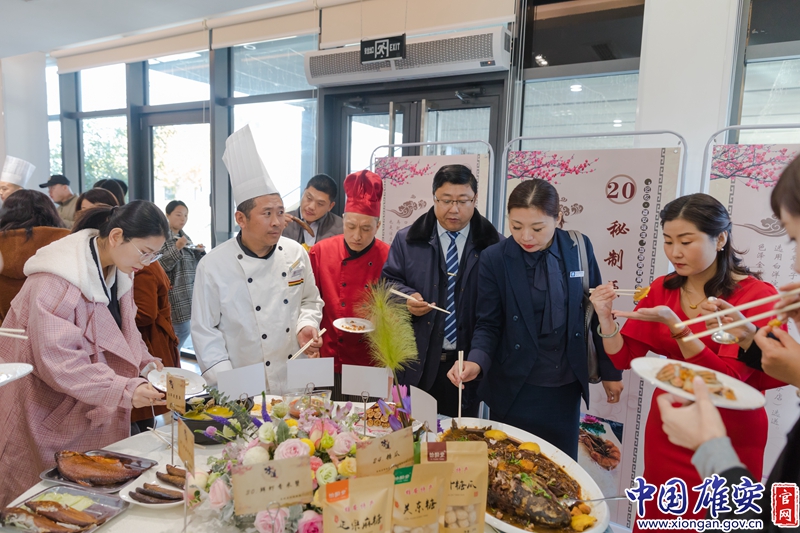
(621, 189)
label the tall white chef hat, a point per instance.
(249, 177)
(16, 171)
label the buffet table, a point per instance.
(137, 519)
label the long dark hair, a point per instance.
(113, 186)
(96, 196)
(539, 194)
(174, 204)
(27, 209)
(710, 217)
(786, 194)
(137, 220)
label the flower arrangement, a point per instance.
(327, 435)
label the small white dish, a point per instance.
(148, 477)
(353, 325)
(13, 371)
(195, 384)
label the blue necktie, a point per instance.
(450, 333)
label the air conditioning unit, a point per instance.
(466, 52)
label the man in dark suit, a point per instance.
(436, 260)
(315, 213)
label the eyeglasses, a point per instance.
(146, 258)
(459, 203)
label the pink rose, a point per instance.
(291, 448)
(321, 427)
(265, 520)
(316, 462)
(310, 522)
(219, 494)
(342, 444)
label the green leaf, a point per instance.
(282, 433)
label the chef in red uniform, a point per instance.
(345, 265)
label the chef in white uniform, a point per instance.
(255, 299)
(16, 173)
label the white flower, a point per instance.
(255, 455)
(293, 430)
(266, 433)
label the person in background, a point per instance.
(28, 221)
(529, 341)
(701, 428)
(93, 198)
(16, 173)
(315, 210)
(697, 241)
(59, 190)
(344, 266)
(151, 289)
(89, 360)
(255, 300)
(179, 260)
(435, 260)
(114, 186)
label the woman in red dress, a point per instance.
(697, 230)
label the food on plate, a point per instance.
(640, 294)
(157, 491)
(94, 470)
(602, 451)
(175, 481)
(204, 410)
(525, 486)
(680, 376)
(175, 471)
(80, 503)
(146, 498)
(61, 513)
(304, 402)
(25, 519)
(352, 325)
(376, 418)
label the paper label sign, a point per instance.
(382, 455)
(374, 380)
(186, 445)
(301, 372)
(248, 380)
(176, 394)
(283, 481)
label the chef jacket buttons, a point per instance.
(516, 346)
(264, 336)
(287, 330)
(249, 280)
(283, 274)
(239, 256)
(267, 363)
(258, 308)
(280, 248)
(286, 301)
(289, 356)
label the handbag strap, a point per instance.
(577, 239)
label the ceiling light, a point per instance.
(576, 88)
(540, 60)
(617, 124)
(248, 47)
(617, 121)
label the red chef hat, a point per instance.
(364, 190)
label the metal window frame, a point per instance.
(582, 70)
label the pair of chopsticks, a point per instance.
(305, 347)
(622, 291)
(407, 297)
(13, 333)
(743, 307)
(460, 371)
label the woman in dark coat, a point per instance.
(529, 340)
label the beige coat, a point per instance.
(66, 210)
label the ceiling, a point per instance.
(44, 25)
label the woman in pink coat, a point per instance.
(88, 356)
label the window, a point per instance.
(54, 122)
(285, 133)
(272, 66)
(103, 88)
(53, 93)
(105, 149)
(178, 78)
(579, 106)
(54, 134)
(771, 96)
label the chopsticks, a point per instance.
(748, 305)
(165, 441)
(738, 323)
(305, 347)
(461, 385)
(407, 297)
(13, 333)
(623, 291)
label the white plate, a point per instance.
(341, 324)
(148, 477)
(194, 385)
(747, 397)
(12, 371)
(589, 489)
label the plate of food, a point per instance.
(99, 470)
(353, 325)
(157, 489)
(528, 480)
(62, 508)
(195, 384)
(676, 377)
(13, 371)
